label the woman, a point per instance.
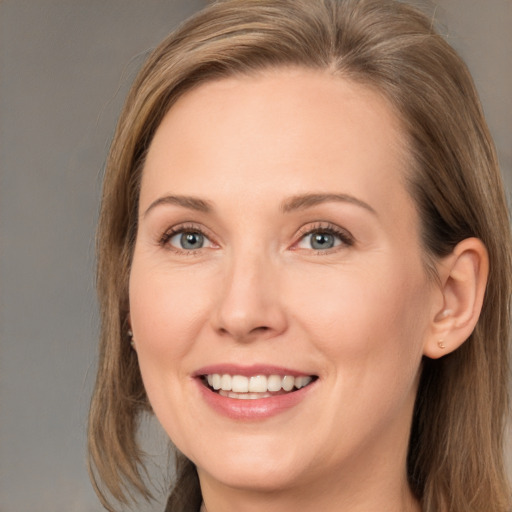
(304, 267)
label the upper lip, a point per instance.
(248, 371)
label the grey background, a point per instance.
(65, 66)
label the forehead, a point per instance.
(285, 129)
(290, 93)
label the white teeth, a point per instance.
(244, 396)
(258, 384)
(225, 382)
(300, 382)
(239, 384)
(254, 386)
(288, 382)
(215, 381)
(274, 383)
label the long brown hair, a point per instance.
(455, 461)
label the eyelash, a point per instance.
(177, 230)
(347, 240)
(344, 236)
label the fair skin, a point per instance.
(276, 236)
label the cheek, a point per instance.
(166, 311)
(364, 317)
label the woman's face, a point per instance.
(278, 247)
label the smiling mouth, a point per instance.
(256, 386)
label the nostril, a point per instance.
(252, 332)
(263, 328)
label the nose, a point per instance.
(250, 305)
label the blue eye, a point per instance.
(186, 240)
(321, 241)
(189, 240)
(324, 238)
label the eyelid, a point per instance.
(345, 237)
(185, 227)
(343, 234)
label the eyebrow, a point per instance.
(190, 202)
(304, 201)
(299, 202)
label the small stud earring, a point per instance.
(130, 335)
(441, 344)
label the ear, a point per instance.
(462, 280)
(130, 332)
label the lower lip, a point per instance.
(253, 409)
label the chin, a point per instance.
(258, 469)
(265, 479)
